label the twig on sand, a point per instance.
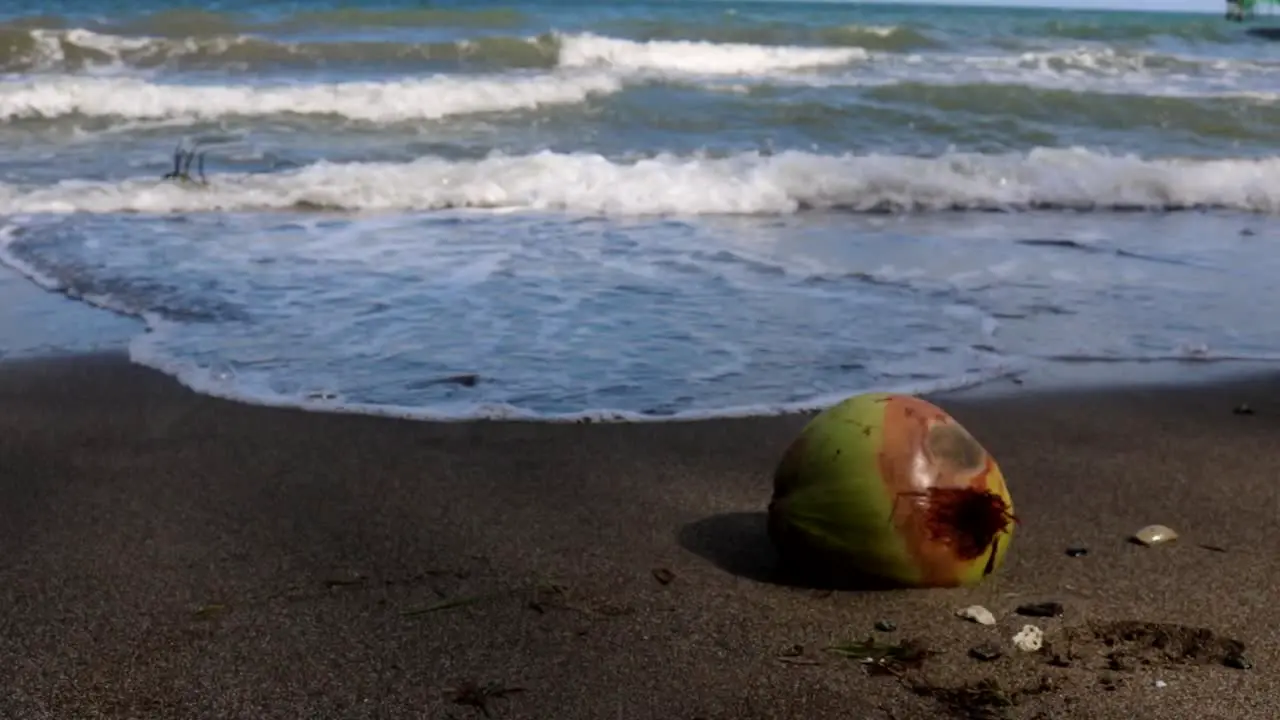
(884, 659)
(448, 604)
(209, 611)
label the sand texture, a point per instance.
(167, 555)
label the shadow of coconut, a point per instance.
(739, 544)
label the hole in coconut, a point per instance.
(967, 519)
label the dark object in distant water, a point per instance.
(1264, 33)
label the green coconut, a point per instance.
(890, 488)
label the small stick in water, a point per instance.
(182, 159)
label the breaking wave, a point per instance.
(78, 49)
(666, 184)
(697, 57)
(382, 101)
(734, 30)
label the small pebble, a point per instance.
(985, 653)
(978, 614)
(1029, 639)
(1155, 535)
(885, 626)
(1077, 552)
(1043, 609)
(1161, 683)
(1242, 409)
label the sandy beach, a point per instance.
(167, 555)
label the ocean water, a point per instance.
(641, 209)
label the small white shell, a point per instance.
(978, 614)
(1155, 534)
(1029, 639)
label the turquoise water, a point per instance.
(640, 209)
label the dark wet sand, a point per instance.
(166, 555)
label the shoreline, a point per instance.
(40, 322)
(49, 324)
(166, 554)
(1042, 382)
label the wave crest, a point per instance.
(386, 101)
(693, 185)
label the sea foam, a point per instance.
(748, 183)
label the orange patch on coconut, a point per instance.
(940, 480)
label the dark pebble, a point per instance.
(1077, 552)
(985, 653)
(1043, 610)
(1237, 661)
(1119, 663)
(885, 626)
(1242, 409)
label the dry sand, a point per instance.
(166, 555)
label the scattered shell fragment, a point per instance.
(1154, 535)
(1029, 639)
(1161, 684)
(978, 614)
